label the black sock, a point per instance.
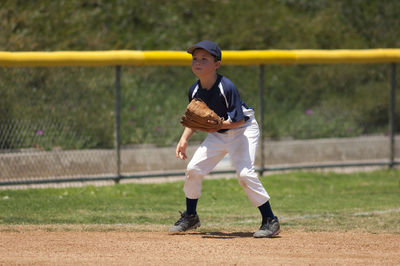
(191, 205)
(266, 211)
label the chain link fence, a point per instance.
(80, 124)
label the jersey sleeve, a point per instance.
(192, 90)
(235, 111)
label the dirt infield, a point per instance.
(63, 247)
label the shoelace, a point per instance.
(180, 219)
(266, 224)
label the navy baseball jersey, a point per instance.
(223, 98)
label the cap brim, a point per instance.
(191, 49)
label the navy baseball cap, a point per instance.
(209, 46)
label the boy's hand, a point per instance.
(181, 150)
(182, 156)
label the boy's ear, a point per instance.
(217, 64)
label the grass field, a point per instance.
(311, 201)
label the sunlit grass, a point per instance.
(302, 200)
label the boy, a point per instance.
(238, 137)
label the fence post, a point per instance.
(392, 124)
(117, 126)
(261, 114)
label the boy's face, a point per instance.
(203, 63)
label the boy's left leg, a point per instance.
(243, 150)
(243, 153)
(270, 226)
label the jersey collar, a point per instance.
(214, 86)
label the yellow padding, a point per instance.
(249, 57)
(160, 58)
(258, 57)
(348, 56)
(72, 58)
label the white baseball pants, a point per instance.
(241, 144)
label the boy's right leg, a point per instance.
(186, 222)
(189, 219)
(206, 157)
(204, 160)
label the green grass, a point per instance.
(303, 200)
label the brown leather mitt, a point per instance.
(199, 117)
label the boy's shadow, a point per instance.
(221, 235)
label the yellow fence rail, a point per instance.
(177, 58)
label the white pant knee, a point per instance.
(253, 187)
(245, 177)
(193, 182)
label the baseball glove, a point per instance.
(199, 116)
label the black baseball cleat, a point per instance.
(186, 222)
(269, 228)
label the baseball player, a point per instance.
(238, 137)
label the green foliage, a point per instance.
(64, 107)
(174, 25)
(346, 100)
(307, 200)
(151, 108)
